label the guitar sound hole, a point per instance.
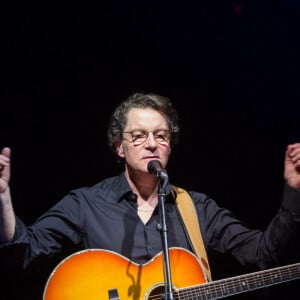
(157, 293)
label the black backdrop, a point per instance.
(231, 68)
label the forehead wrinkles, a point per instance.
(146, 119)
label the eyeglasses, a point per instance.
(161, 136)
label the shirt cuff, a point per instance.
(291, 199)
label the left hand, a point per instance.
(4, 169)
(292, 165)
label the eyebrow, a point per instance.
(139, 129)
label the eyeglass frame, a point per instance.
(146, 132)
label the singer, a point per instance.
(120, 215)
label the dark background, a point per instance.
(231, 68)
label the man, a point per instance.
(120, 214)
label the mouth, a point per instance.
(148, 158)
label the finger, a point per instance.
(4, 162)
(4, 157)
(293, 152)
(6, 151)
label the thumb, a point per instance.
(6, 151)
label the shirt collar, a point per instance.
(124, 191)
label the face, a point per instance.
(137, 155)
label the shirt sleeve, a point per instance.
(56, 232)
(291, 200)
(224, 233)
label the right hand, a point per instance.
(4, 169)
(292, 165)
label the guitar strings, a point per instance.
(227, 286)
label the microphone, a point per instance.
(155, 168)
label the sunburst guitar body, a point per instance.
(97, 274)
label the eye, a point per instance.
(162, 135)
(136, 135)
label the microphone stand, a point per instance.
(162, 227)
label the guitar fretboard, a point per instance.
(240, 284)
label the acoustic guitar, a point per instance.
(97, 274)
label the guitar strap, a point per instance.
(188, 213)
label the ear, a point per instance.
(119, 149)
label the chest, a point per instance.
(128, 231)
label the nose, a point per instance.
(151, 141)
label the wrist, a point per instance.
(5, 197)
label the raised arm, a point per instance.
(7, 216)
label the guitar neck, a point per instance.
(241, 284)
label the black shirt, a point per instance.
(105, 216)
